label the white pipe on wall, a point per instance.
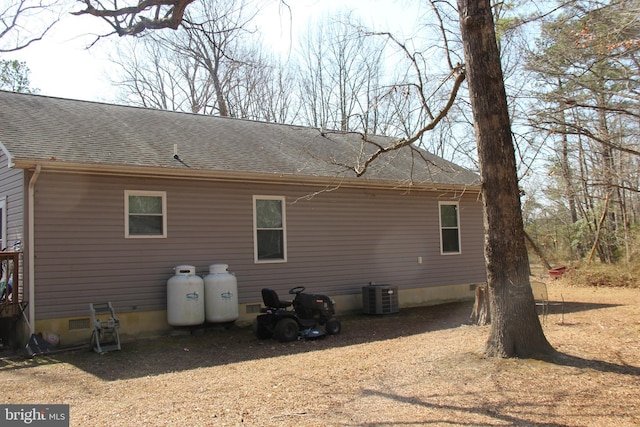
(31, 250)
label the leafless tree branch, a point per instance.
(574, 129)
(135, 19)
(16, 20)
(458, 74)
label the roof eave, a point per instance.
(229, 176)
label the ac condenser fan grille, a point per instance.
(380, 299)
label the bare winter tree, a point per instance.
(347, 84)
(23, 22)
(213, 36)
(340, 76)
(212, 65)
(152, 74)
(262, 88)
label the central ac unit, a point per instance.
(379, 299)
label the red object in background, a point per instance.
(554, 273)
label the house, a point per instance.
(107, 200)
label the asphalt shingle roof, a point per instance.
(38, 128)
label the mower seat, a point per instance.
(271, 299)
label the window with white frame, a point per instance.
(449, 228)
(269, 229)
(145, 214)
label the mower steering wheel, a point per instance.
(297, 290)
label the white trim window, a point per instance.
(145, 214)
(269, 229)
(449, 228)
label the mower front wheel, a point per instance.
(286, 330)
(333, 326)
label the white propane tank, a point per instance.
(185, 297)
(221, 294)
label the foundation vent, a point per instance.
(78, 324)
(253, 308)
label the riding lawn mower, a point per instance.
(289, 320)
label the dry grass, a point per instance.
(600, 275)
(421, 367)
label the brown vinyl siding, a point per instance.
(337, 240)
(12, 189)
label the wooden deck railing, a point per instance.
(11, 292)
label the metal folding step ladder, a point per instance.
(105, 328)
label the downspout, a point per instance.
(31, 248)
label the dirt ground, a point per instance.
(420, 367)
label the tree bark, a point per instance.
(515, 327)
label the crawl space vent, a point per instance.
(78, 324)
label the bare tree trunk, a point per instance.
(570, 191)
(596, 240)
(515, 327)
(481, 313)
